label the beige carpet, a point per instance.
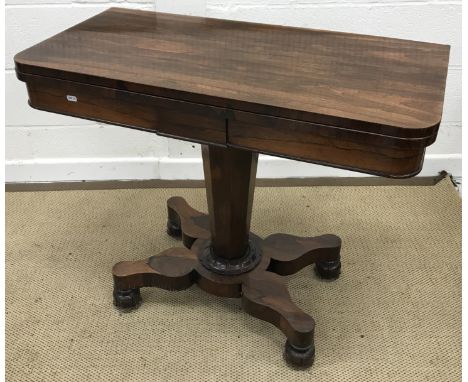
(394, 315)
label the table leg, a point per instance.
(224, 258)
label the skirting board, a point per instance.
(161, 183)
(189, 172)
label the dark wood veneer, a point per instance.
(180, 119)
(231, 195)
(368, 83)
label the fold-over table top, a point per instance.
(379, 85)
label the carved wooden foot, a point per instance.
(289, 254)
(266, 297)
(127, 299)
(186, 222)
(173, 269)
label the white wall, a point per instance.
(42, 146)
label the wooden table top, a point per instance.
(365, 83)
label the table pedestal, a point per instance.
(224, 258)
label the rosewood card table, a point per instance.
(363, 103)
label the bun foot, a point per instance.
(186, 223)
(173, 230)
(299, 357)
(127, 299)
(329, 270)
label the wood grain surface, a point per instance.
(367, 83)
(168, 117)
(230, 183)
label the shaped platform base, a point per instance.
(262, 288)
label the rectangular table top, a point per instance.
(374, 84)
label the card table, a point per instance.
(364, 103)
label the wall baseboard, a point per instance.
(151, 168)
(187, 183)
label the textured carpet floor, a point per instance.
(394, 315)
